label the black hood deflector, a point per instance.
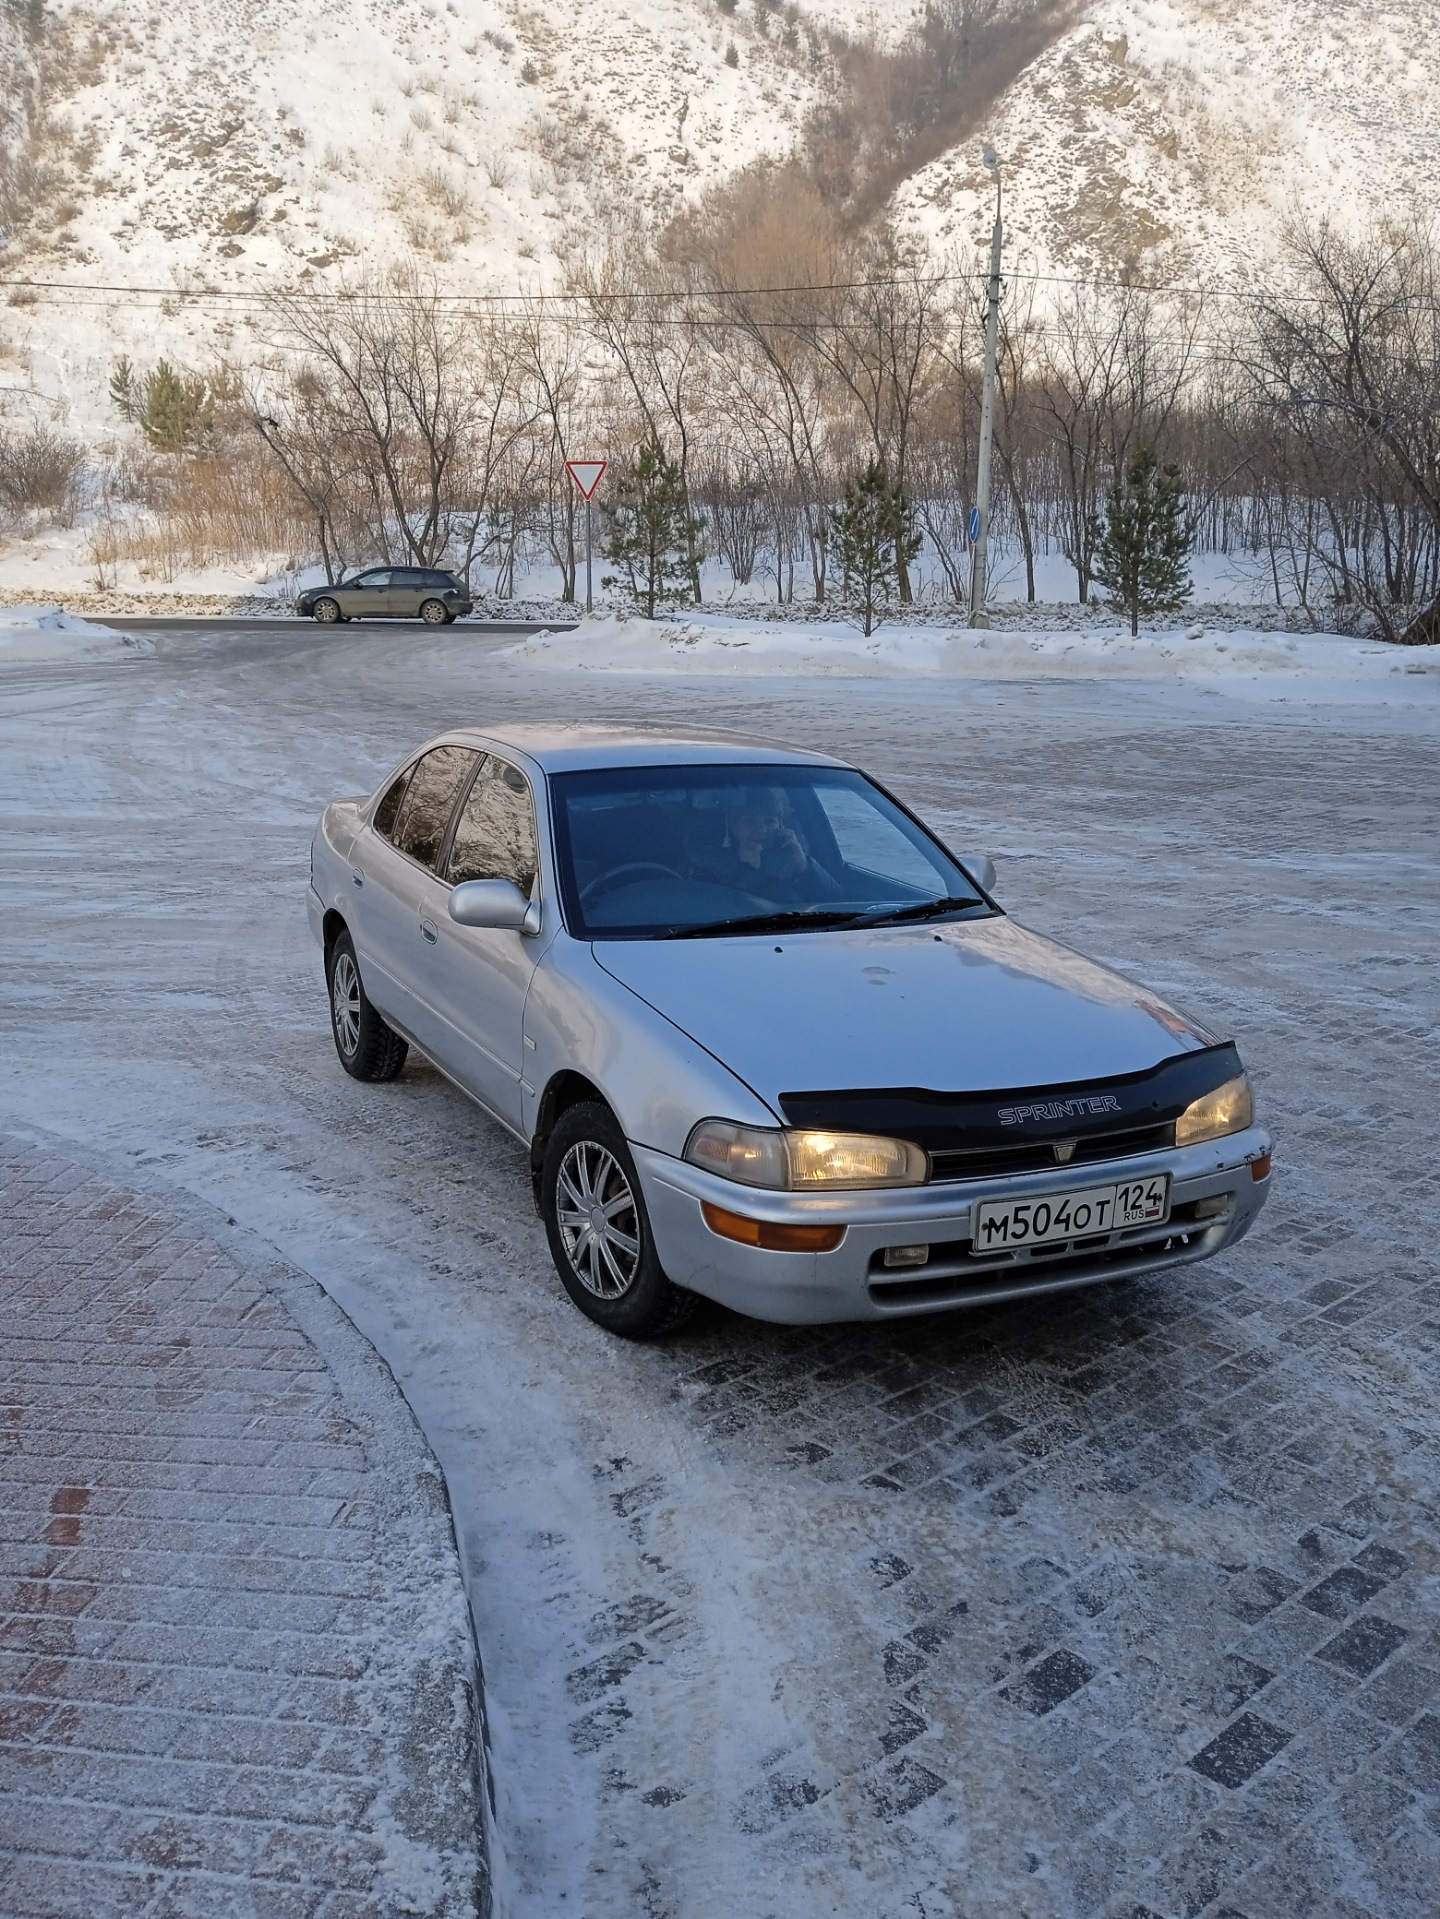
(1015, 1115)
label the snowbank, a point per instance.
(50, 633)
(1322, 668)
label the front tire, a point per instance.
(599, 1230)
(434, 613)
(327, 612)
(368, 1048)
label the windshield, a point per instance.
(657, 852)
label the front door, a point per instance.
(395, 905)
(482, 973)
(367, 596)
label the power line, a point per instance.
(199, 296)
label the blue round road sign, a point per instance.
(974, 524)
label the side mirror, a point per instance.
(981, 869)
(495, 903)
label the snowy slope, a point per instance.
(1195, 128)
(226, 145)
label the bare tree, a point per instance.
(1346, 362)
(1114, 366)
(653, 340)
(882, 338)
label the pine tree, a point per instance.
(1142, 544)
(871, 534)
(175, 411)
(652, 532)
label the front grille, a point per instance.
(955, 1269)
(1035, 1156)
(1083, 1260)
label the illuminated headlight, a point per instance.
(804, 1161)
(1229, 1109)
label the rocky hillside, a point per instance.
(222, 146)
(1196, 128)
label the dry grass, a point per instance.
(232, 508)
(445, 193)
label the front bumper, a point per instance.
(852, 1283)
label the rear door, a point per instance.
(407, 590)
(401, 899)
(482, 974)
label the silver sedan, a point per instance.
(767, 1039)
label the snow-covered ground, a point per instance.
(51, 562)
(1308, 669)
(767, 1618)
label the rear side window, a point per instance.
(495, 833)
(429, 801)
(389, 807)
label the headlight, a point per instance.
(804, 1161)
(1229, 1109)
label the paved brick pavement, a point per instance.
(235, 1671)
(1167, 1556)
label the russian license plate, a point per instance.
(1048, 1218)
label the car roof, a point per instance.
(562, 748)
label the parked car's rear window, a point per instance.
(429, 800)
(388, 809)
(646, 852)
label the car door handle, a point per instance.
(429, 931)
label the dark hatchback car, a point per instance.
(389, 593)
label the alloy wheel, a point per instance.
(598, 1219)
(345, 1004)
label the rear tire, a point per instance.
(599, 1230)
(327, 612)
(368, 1048)
(433, 613)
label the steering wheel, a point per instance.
(617, 873)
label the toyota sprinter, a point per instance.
(767, 1039)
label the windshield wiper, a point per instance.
(925, 910)
(809, 918)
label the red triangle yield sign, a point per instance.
(586, 474)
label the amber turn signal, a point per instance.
(1260, 1168)
(771, 1238)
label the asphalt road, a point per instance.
(1121, 1603)
(285, 623)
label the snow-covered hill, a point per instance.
(228, 145)
(1196, 128)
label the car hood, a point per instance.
(972, 1006)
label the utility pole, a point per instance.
(980, 551)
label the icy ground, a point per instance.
(900, 1621)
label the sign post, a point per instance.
(586, 475)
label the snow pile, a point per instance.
(50, 633)
(1320, 668)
